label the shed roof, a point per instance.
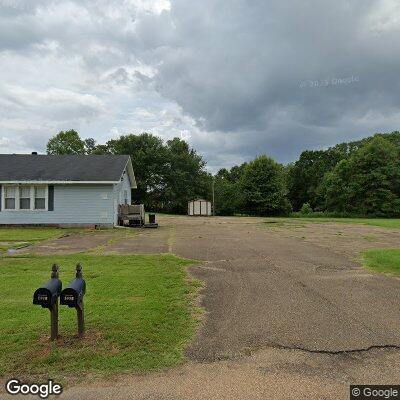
(199, 200)
(65, 168)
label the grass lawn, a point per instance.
(19, 237)
(32, 234)
(382, 222)
(383, 260)
(139, 312)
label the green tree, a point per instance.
(306, 174)
(168, 174)
(185, 177)
(90, 145)
(225, 193)
(69, 142)
(149, 160)
(263, 188)
(367, 183)
(100, 149)
(228, 199)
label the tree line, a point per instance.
(168, 174)
(359, 178)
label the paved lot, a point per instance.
(289, 312)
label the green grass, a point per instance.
(139, 315)
(393, 223)
(31, 234)
(383, 260)
(14, 238)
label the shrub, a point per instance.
(306, 209)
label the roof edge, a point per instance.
(131, 173)
(48, 182)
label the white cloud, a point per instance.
(4, 142)
(156, 6)
(54, 104)
(384, 17)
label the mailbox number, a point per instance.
(69, 297)
(42, 297)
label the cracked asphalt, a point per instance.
(264, 290)
(285, 318)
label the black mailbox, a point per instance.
(47, 295)
(72, 295)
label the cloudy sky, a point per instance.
(236, 78)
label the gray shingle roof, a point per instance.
(76, 168)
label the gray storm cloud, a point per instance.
(242, 77)
(242, 68)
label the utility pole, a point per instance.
(213, 196)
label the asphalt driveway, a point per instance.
(286, 317)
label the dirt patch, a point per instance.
(78, 242)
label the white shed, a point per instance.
(200, 207)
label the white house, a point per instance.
(64, 190)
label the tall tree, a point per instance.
(367, 183)
(306, 174)
(150, 161)
(263, 188)
(90, 145)
(66, 142)
(228, 199)
(185, 176)
(69, 142)
(168, 175)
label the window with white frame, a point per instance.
(25, 197)
(40, 197)
(9, 197)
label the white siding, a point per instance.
(119, 191)
(73, 204)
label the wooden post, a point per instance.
(213, 196)
(54, 321)
(81, 320)
(54, 308)
(79, 308)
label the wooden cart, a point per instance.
(131, 215)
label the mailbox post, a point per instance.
(72, 296)
(47, 297)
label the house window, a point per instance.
(126, 196)
(9, 197)
(40, 198)
(24, 198)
